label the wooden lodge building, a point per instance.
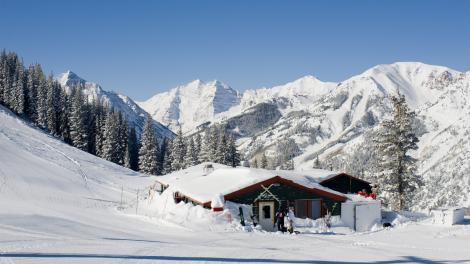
(311, 193)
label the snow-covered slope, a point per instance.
(134, 114)
(192, 104)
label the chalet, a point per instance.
(311, 193)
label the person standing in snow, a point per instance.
(290, 220)
(280, 220)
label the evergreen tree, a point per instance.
(205, 152)
(168, 158)
(178, 152)
(198, 147)
(53, 107)
(396, 177)
(31, 94)
(264, 161)
(64, 117)
(148, 155)
(41, 101)
(191, 157)
(78, 128)
(213, 145)
(101, 111)
(316, 163)
(234, 156)
(18, 94)
(223, 152)
(110, 148)
(132, 150)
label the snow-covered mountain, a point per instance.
(192, 104)
(134, 113)
(312, 118)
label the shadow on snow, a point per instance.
(405, 259)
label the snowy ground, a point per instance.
(60, 205)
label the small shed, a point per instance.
(362, 215)
(448, 216)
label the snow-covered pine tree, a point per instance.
(234, 156)
(133, 150)
(101, 111)
(191, 154)
(31, 93)
(123, 137)
(316, 163)
(64, 122)
(214, 138)
(3, 75)
(198, 146)
(167, 157)
(178, 152)
(78, 129)
(396, 175)
(53, 108)
(111, 142)
(264, 161)
(222, 154)
(148, 153)
(205, 152)
(41, 101)
(18, 94)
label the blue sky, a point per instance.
(140, 48)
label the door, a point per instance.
(266, 215)
(366, 216)
(316, 209)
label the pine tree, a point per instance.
(396, 177)
(222, 154)
(110, 149)
(132, 150)
(205, 152)
(78, 129)
(198, 146)
(178, 152)
(168, 160)
(264, 161)
(213, 145)
(316, 163)
(18, 94)
(31, 94)
(53, 108)
(234, 156)
(191, 154)
(148, 155)
(41, 101)
(64, 116)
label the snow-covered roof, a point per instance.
(194, 183)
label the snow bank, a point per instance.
(162, 208)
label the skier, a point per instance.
(280, 220)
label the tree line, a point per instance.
(91, 125)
